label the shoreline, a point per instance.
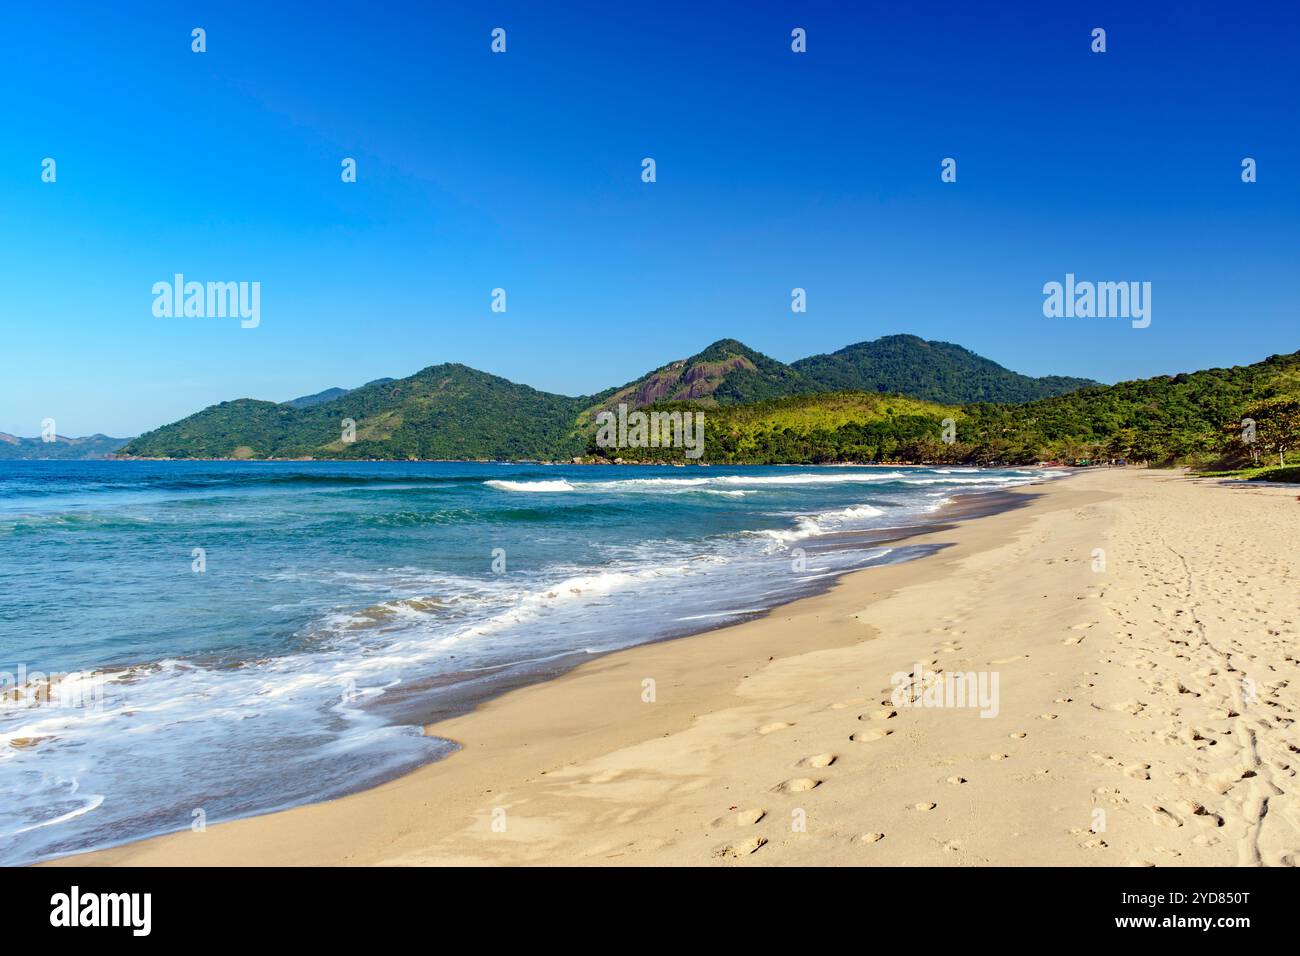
(962, 508)
(411, 706)
(578, 769)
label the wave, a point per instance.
(805, 527)
(633, 484)
(802, 478)
(94, 802)
(971, 476)
(556, 485)
(953, 480)
(857, 511)
(950, 476)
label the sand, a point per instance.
(1142, 630)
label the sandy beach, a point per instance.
(1141, 628)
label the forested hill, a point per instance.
(934, 371)
(444, 411)
(453, 411)
(1194, 418)
(761, 410)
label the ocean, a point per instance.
(186, 642)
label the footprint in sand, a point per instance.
(797, 785)
(1222, 782)
(1201, 814)
(741, 848)
(1138, 771)
(1189, 735)
(1018, 735)
(871, 837)
(817, 761)
(1163, 818)
(956, 780)
(1129, 707)
(856, 702)
(998, 756)
(774, 727)
(924, 806)
(743, 818)
(866, 736)
(879, 715)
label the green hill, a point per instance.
(329, 394)
(452, 411)
(727, 372)
(1190, 418)
(937, 371)
(444, 411)
(760, 410)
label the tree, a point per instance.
(1277, 425)
(1243, 433)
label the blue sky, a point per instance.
(522, 171)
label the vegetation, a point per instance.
(1290, 475)
(1182, 419)
(841, 426)
(1272, 426)
(730, 373)
(444, 411)
(451, 411)
(937, 371)
(1283, 473)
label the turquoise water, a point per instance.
(332, 606)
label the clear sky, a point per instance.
(523, 171)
